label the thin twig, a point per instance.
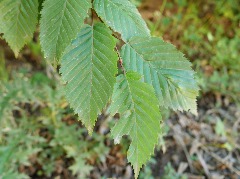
(203, 163)
(179, 140)
(92, 13)
(221, 161)
(114, 35)
(120, 60)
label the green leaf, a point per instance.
(122, 16)
(89, 66)
(140, 118)
(60, 24)
(18, 19)
(80, 168)
(165, 68)
(220, 128)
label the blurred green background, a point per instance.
(40, 137)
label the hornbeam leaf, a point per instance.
(89, 66)
(18, 19)
(59, 25)
(122, 16)
(165, 68)
(140, 118)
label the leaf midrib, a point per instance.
(92, 50)
(135, 119)
(61, 23)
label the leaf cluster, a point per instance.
(153, 73)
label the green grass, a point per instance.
(34, 121)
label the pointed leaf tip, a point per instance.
(140, 118)
(58, 29)
(18, 21)
(88, 67)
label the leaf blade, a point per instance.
(140, 118)
(88, 66)
(59, 24)
(122, 16)
(18, 20)
(166, 69)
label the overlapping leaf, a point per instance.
(122, 16)
(18, 19)
(60, 23)
(165, 68)
(137, 105)
(88, 66)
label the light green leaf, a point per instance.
(140, 118)
(60, 23)
(165, 68)
(89, 66)
(18, 19)
(220, 128)
(80, 168)
(122, 16)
